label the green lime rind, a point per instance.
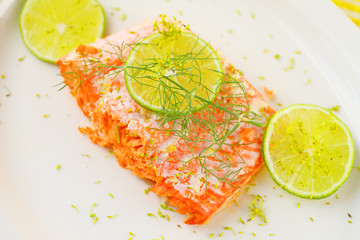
(51, 13)
(133, 58)
(128, 79)
(278, 176)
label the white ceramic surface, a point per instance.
(36, 199)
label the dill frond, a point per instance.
(256, 208)
(170, 28)
(210, 125)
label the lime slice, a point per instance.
(308, 151)
(52, 28)
(179, 73)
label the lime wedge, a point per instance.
(177, 74)
(308, 151)
(52, 28)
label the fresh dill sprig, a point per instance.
(147, 190)
(218, 118)
(93, 215)
(73, 206)
(168, 28)
(152, 215)
(91, 211)
(256, 208)
(89, 66)
(231, 229)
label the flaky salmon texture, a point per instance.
(134, 133)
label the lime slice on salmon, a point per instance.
(52, 28)
(308, 151)
(166, 73)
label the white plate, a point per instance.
(36, 199)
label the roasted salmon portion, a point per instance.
(199, 178)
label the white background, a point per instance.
(36, 199)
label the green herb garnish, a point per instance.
(165, 205)
(256, 208)
(161, 214)
(231, 229)
(111, 152)
(93, 215)
(183, 122)
(75, 208)
(147, 190)
(152, 215)
(169, 28)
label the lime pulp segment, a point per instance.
(308, 151)
(52, 28)
(165, 73)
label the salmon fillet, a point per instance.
(136, 137)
